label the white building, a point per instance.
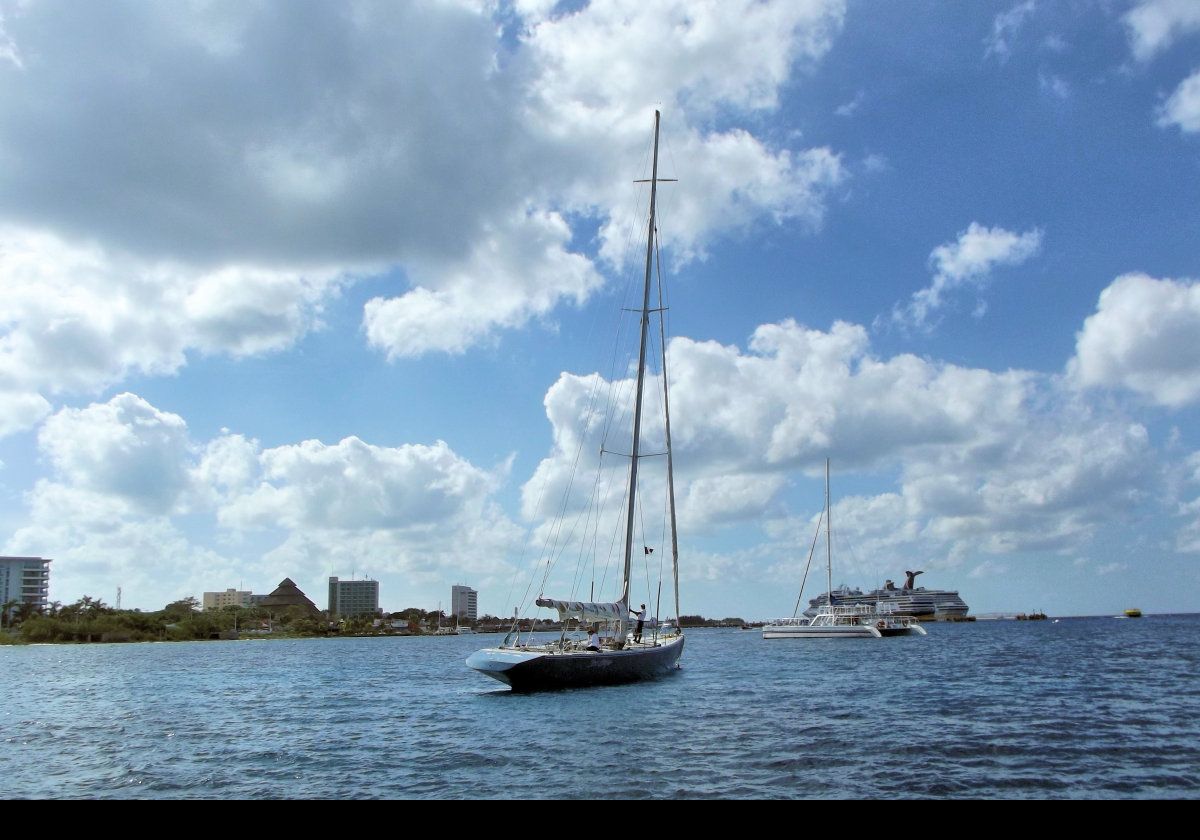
(228, 598)
(25, 580)
(464, 602)
(353, 597)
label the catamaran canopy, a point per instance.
(586, 611)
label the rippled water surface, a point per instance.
(1081, 708)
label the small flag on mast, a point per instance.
(649, 550)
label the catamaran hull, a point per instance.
(834, 632)
(837, 632)
(527, 670)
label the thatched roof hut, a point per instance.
(287, 594)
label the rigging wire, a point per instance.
(812, 548)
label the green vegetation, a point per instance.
(701, 621)
(91, 620)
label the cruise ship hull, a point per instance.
(921, 604)
(535, 669)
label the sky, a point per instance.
(300, 289)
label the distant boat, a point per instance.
(1133, 613)
(912, 600)
(841, 621)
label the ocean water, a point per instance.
(1081, 708)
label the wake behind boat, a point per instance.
(611, 654)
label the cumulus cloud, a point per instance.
(353, 485)
(223, 172)
(969, 261)
(125, 451)
(127, 478)
(1182, 108)
(1143, 337)
(76, 318)
(986, 462)
(520, 270)
(1005, 27)
(1156, 24)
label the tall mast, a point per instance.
(662, 338)
(641, 375)
(828, 536)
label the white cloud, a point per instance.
(720, 499)
(1156, 24)
(8, 49)
(1183, 106)
(20, 410)
(124, 451)
(519, 271)
(127, 481)
(224, 183)
(1143, 337)
(586, 119)
(986, 462)
(1005, 27)
(847, 109)
(969, 261)
(76, 318)
(989, 568)
(354, 486)
(1053, 85)
(1188, 538)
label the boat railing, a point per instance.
(787, 622)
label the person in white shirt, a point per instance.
(641, 617)
(593, 640)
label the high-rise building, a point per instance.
(25, 580)
(228, 598)
(353, 597)
(464, 602)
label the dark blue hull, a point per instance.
(548, 671)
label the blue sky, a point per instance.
(307, 289)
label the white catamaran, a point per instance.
(841, 621)
(621, 657)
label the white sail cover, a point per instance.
(585, 610)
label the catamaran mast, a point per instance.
(641, 376)
(828, 536)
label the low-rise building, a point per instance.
(228, 598)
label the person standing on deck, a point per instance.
(641, 617)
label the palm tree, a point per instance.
(6, 609)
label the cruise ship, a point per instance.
(911, 600)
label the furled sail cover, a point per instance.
(586, 611)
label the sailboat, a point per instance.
(621, 657)
(841, 621)
(444, 631)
